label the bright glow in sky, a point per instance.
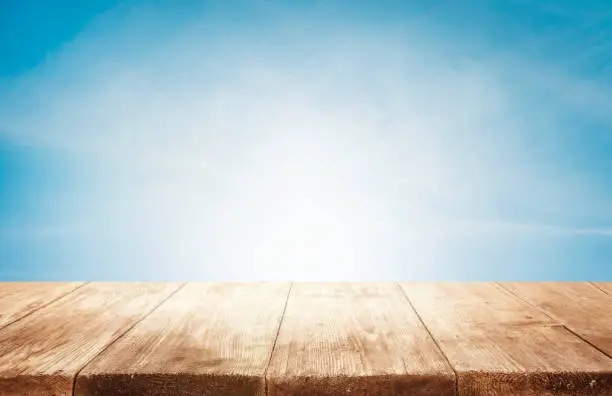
(324, 140)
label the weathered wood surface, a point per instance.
(305, 339)
(212, 339)
(606, 287)
(357, 339)
(41, 354)
(18, 299)
(500, 345)
(581, 307)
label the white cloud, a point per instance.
(310, 163)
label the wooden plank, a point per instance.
(19, 299)
(581, 307)
(357, 339)
(499, 345)
(208, 339)
(469, 304)
(40, 354)
(606, 287)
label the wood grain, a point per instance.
(40, 354)
(606, 287)
(500, 345)
(18, 299)
(474, 304)
(357, 339)
(208, 339)
(581, 307)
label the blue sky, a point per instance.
(306, 140)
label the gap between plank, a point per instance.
(600, 289)
(432, 337)
(553, 318)
(45, 305)
(76, 375)
(280, 323)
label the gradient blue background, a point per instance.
(105, 112)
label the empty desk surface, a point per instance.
(60, 339)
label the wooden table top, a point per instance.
(104, 339)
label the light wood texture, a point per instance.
(606, 287)
(41, 353)
(355, 339)
(332, 339)
(473, 304)
(208, 339)
(581, 307)
(500, 345)
(18, 299)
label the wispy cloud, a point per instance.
(334, 144)
(534, 228)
